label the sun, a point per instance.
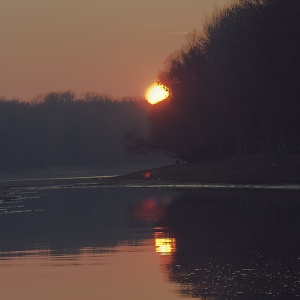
(157, 93)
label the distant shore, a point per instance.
(257, 172)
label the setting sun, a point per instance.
(157, 93)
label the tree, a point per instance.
(233, 86)
(60, 130)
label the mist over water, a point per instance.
(91, 242)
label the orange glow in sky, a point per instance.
(106, 47)
(157, 93)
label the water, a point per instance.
(90, 242)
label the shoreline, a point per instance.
(263, 172)
(117, 182)
(241, 172)
(237, 170)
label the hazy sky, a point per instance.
(113, 47)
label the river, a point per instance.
(99, 242)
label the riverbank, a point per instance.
(238, 170)
(259, 172)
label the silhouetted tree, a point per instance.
(234, 85)
(60, 130)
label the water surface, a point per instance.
(90, 242)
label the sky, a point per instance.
(110, 47)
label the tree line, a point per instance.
(59, 130)
(234, 86)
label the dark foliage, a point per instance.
(234, 86)
(61, 131)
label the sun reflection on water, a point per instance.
(164, 245)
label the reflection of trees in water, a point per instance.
(239, 245)
(65, 221)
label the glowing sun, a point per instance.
(157, 93)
